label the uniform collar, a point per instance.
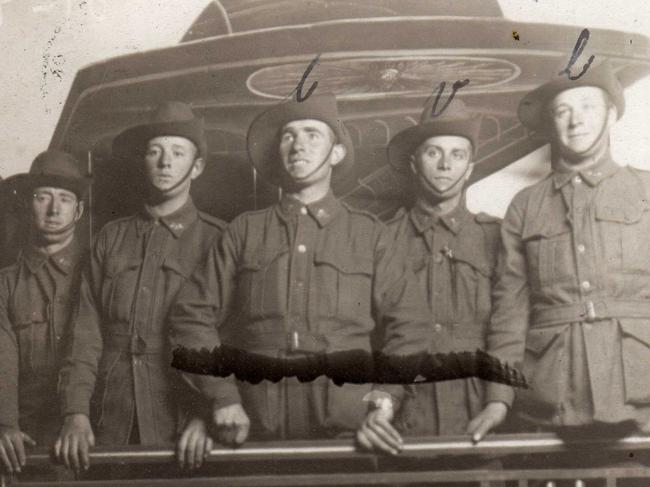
(323, 210)
(423, 219)
(64, 260)
(176, 222)
(593, 176)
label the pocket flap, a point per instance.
(544, 229)
(116, 266)
(539, 339)
(259, 258)
(179, 266)
(639, 329)
(344, 262)
(475, 259)
(629, 214)
(29, 318)
(418, 263)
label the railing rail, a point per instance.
(340, 463)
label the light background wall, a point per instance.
(44, 42)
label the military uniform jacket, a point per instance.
(302, 279)
(453, 257)
(120, 350)
(573, 298)
(37, 296)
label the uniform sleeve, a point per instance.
(399, 306)
(79, 370)
(506, 334)
(8, 365)
(200, 309)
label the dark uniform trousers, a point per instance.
(120, 355)
(453, 257)
(37, 296)
(295, 279)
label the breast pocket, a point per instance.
(343, 284)
(625, 236)
(472, 287)
(34, 352)
(176, 271)
(120, 287)
(549, 253)
(262, 279)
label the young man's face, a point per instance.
(171, 164)
(308, 151)
(55, 212)
(580, 120)
(442, 160)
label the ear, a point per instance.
(339, 151)
(197, 169)
(80, 210)
(470, 170)
(412, 165)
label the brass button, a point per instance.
(303, 210)
(586, 285)
(437, 327)
(302, 249)
(581, 248)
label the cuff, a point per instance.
(499, 393)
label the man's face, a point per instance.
(442, 160)
(580, 120)
(54, 212)
(308, 151)
(168, 160)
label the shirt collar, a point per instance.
(593, 175)
(64, 260)
(423, 218)
(323, 210)
(176, 222)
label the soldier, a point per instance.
(307, 275)
(36, 305)
(571, 302)
(137, 265)
(453, 253)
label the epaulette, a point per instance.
(212, 220)
(486, 218)
(357, 211)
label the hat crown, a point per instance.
(172, 111)
(456, 110)
(55, 163)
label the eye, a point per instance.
(286, 137)
(152, 152)
(560, 112)
(178, 154)
(458, 155)
(432, 152)
(68, 200)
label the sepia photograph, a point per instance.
(325, 243)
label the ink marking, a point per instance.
(441, 87)
(515, 35)
(577, 51)
(310, 91)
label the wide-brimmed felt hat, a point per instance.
(456, 120)
(172, 118)
(263, 140)
(532, 106)
(56, 169)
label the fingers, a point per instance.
(363, 441)
(74, 452)
(482, 427)
(209, 445)
(57, 448)
(379, 442)
(242, 432)
(5, 459)
(84, 450)
(182, 447)
(28, 439)
(19, 450)
(198, 450)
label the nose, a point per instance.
(444, 163)
(298, 142)
(165, 158)
(54, 208)
(575, 118)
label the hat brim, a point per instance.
(264, 137)
(25, 183)
(404, 144)
(133, 141)
(532, 106)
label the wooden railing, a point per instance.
(435, 461)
